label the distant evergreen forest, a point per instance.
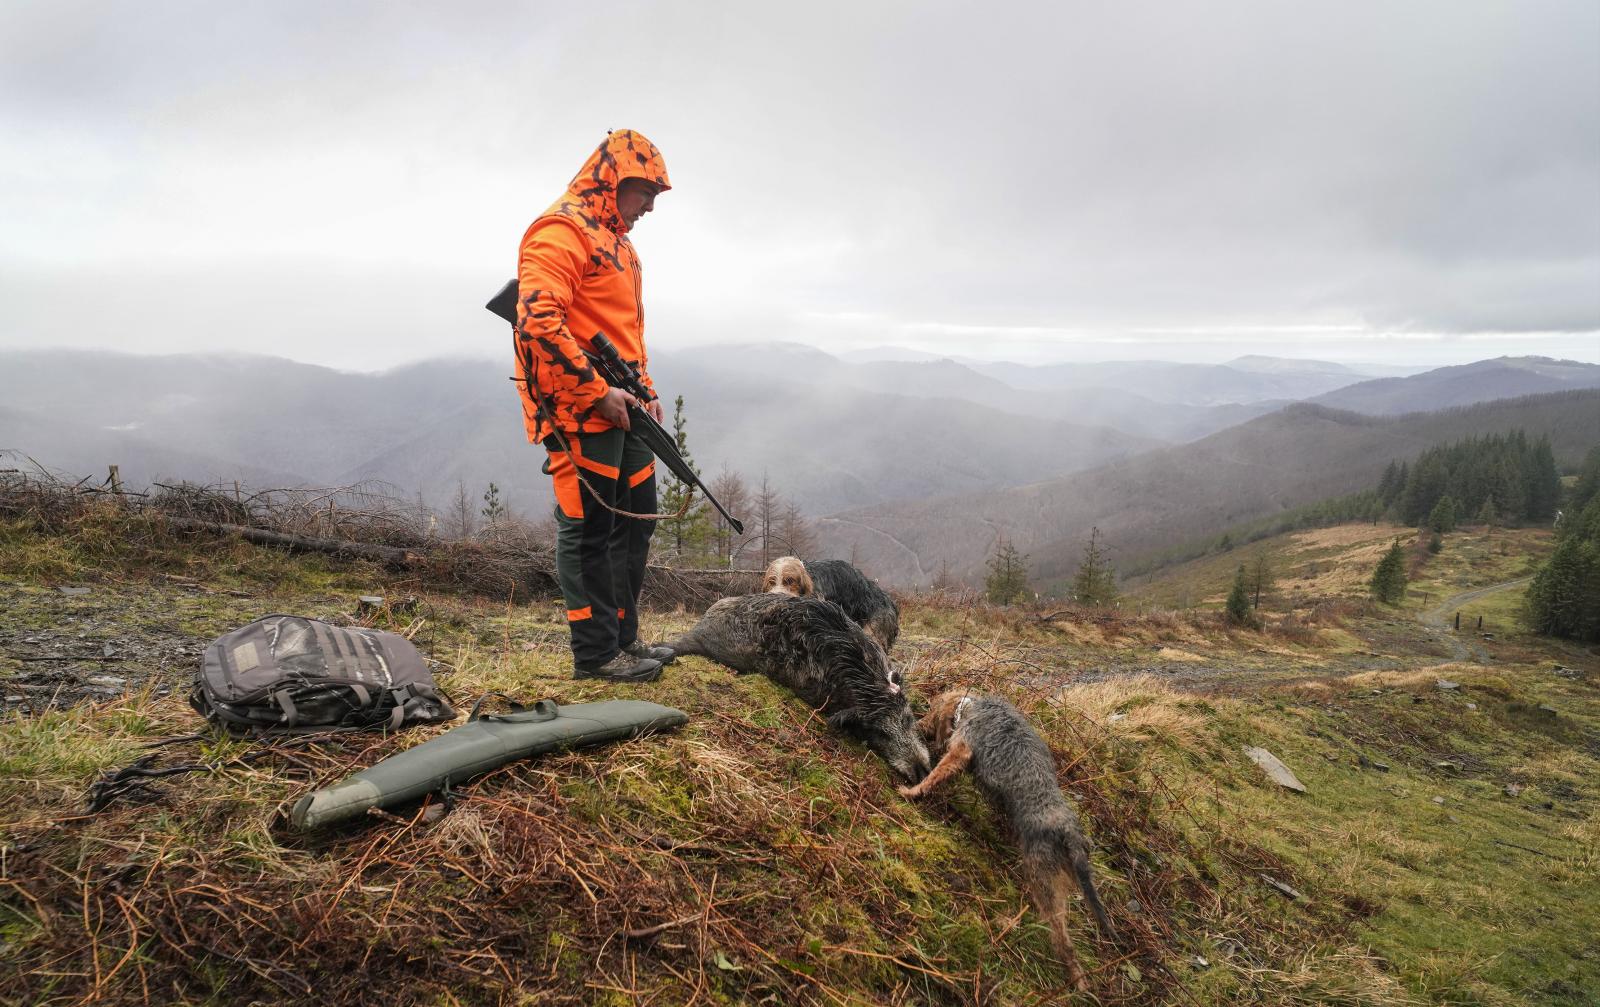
(1564, 598)
(1495, 479)
(1501, 478)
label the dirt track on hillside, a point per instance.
(1437, 619)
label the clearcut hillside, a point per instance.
(1444, 853)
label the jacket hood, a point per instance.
(623, 154)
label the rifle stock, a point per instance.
(624, 374)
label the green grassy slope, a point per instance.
(754, 857)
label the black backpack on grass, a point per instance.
(287, 673)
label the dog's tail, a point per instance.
(1078, 857)
(1051, 886)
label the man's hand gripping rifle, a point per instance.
(624, 374)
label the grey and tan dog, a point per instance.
(811, 647)
(1013, 767)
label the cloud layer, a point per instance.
(346, 184)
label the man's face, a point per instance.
(635, 198)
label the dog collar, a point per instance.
(961, 708)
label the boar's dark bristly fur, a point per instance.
(812, 648)
(862, 600)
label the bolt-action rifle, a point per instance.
(624, 374)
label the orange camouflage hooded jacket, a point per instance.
(577, 274)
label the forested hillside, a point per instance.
(1492, 480)
(1506, 478)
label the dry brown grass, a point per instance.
(1144, 707)
(1342, 537)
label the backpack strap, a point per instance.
(401, 697)
(291, 716)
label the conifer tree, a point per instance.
(1238, 607)
(1564, 598)
(1259, 576)
(685, 536)
(1096, 581)
(1488, 514)
(1443, 516)
(1389, 579)
(1007, 582)
(1544, 482)
(1391, 484)
(493, 509)
(1588, 484)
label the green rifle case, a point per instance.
(483, 743)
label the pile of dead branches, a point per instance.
(31, 493)
(364, 522)
(693, 590)
(506, 560)
(368, 513)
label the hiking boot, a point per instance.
(622, 668)
(646, 652)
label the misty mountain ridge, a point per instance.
(1298, 455)
(939, 429)
(1464, 384)
(425, 427)
(1162, 400)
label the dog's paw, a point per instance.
(906, 791)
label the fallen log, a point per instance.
(393, 557)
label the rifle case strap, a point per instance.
(544, 709)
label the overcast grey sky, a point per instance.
(346, 183)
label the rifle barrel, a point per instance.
(624, 374)
(659, 441)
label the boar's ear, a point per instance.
(845, 720)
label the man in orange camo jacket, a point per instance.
(578, 275)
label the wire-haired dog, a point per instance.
(1013, 767)
(839, 582)
(811, 647)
